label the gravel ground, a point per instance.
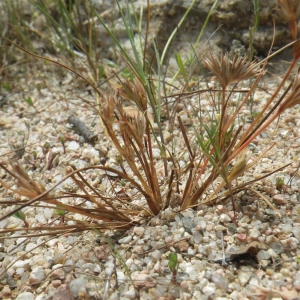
(259, 258)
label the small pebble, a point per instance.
(244, 277)
(25, 296)
(277, 247)
(77, 284)
(279, 199)
(221, 282)
(263, 255)
(125, 240)
(209, 289)
(296, 232)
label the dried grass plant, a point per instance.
(222, 146)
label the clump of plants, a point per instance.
(220, 155)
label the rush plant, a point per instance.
(218, 160)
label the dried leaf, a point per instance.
(134, 112)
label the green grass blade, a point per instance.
(199, 37)
(181, 67)
(253, 29)
(174, 32)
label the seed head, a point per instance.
(231, 69)
(289, 8)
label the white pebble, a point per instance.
(48, 213)
(138, 230)
(156, 153)
(73, 146)
(156, 255)
(37, 275)
(130, 294)
(41, 218)
(296, 232)
(224, 218)
(89, 153)
(92, 267)
(20, 271)
(191, 272)
(30, 246)
(21, 264)
(42, 296)
(25, 296)
(209, 289)
(77, 284)
(125, 240)
(52, 243)
(244, 277)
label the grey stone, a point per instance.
(37, 275)
(277, 247)
(63, 295)
(78, 284)
(296, 232)
(263, 255)
(221, 282)
(188, 224)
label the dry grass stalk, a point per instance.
(114, 217)
(132, 133)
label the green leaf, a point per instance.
(6, 86)
(20, 215)
(181, 66)
(27, 124)
(29, 101)
(101, 71)
(60, 212)
(173, 263)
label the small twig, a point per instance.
(224, 263)
(164, 246)
(83, 130)
(115, 272)
(107, 285)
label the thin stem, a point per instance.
(255, 134)
(249, 132)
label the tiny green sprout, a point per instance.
(181, 67)
(6, 86)
(119, 159)
(298, 259)
(27, 124)
(20, 215)
(20, 132)
(279, 183)
(61, 212)
(123, 182)
(38, 87)
(173, 265)
(29, 101)
(62, 139)
(34, 154)
(101, 71)
(46, 148)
